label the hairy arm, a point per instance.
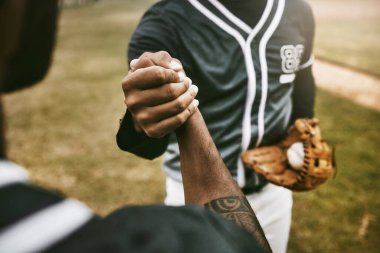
(208, 182)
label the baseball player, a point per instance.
(251, 62)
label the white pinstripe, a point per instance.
(246, 48)
(237, 21)
(264, 68)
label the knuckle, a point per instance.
(190, 109)
(186, 84)
(180, 119)
(142, 117)
(131, 102)
(171, 91)
(126, 84)
(163, 54)
(128, 103)
(145, 55)
(137, 72)
(181, 105)
(143, 63)
(160, 74)
(144, 60)
(153, 132)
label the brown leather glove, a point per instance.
(272, 162)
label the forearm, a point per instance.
(208, 182)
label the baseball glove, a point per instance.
(279, 165)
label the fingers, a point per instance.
(158, 121)
(170, 124)
(150, 77)
(159, 95)
(160, 112)
(161, 58)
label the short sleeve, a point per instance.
(128, 139)
(153, 34)
(308, 25)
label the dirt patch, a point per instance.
(361, 88)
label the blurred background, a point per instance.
(63, 131)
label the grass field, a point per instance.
(79, 106)
(341, 209)
(63, 131)
(348, 33)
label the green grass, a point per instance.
(63, 131)
(348, 33)
(328, 219)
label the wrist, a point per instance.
(193, 122)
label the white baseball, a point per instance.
(296, 155)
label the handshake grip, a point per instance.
(280, 166)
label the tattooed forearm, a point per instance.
(238, 210)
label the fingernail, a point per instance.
(181, 76)
(196, 102)
(175, 65)
(133, 62)
(195, 88)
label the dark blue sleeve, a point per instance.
(128, 139)
(304, 84)
(152, 34)
(303, 95)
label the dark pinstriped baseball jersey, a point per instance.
(245, 74)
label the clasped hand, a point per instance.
(158, 94)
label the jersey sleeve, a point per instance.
(128, 139)
(154, 33)
(303, 96)
(308, 26)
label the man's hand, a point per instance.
(158, 94)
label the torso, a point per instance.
(244, 73)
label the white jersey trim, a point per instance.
(247, 128)
(41, 230)
(308, 63)
(251, 91)
(264, 68)
(251, 87)
(223, 25)
(11, 173)
(287, 78)
(237, 21)
(241, 41)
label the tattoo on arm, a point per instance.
(238, 210)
